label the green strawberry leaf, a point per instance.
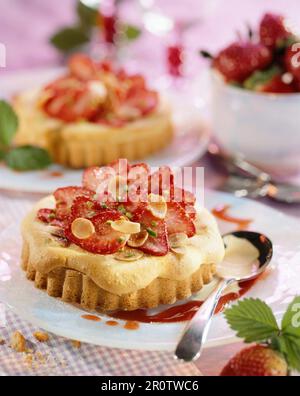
(8, 123)
(293, 352)
(69, 38)
(25, 158)
(289, 347)
(131, 32)
(253, 320)
(87, 15)
(260, 77)
(291, 320)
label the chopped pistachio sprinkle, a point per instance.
(121, 209)
(151, 232)
(129, 215)
(89, 204)
(129, 255)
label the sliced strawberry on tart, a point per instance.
(115, 244)
(92, 114)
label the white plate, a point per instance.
(190, 142)
(277, 289)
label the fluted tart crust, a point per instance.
(101, 282)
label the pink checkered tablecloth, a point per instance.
(58, 356)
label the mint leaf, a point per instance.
(131, 32)
(253, 320)
(25, 158)
(8, 123)
(2, 155)
(69, 38)
(291, 320)
(87, 15)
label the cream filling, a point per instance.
(119, 277)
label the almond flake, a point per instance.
(82, 228)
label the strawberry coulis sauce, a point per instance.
(111, 323)
(55, 174)
(221, 212)
(93, 318)
(179, 313)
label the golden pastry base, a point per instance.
(73, 287)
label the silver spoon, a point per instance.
(257, 182)
(254, 188)
(190, 345)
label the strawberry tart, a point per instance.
(93, 115)
(126, 239)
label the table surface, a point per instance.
(29, 48)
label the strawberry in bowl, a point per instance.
(255, 96)
(128, 238)
(92, 114)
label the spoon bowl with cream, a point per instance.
(247, 255)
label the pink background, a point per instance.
(25, 26)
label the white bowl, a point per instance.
(265, 128)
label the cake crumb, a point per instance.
(28, 359)
(41, 357)
(2, 341)
(76, 344)
(40, 336)
(18, 342)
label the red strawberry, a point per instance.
(238, 61)
(109, 26)
(256, 361)
(272, 30)
(183, 196)
(157, 243)
(178, 221)
(132, 209)
(96, 178)
(143, 100)
(277, 85)
(138, 182)
(162, 182)
(138, 172)
(65, 197)
(105, 240)
(292, 61)
(82, 67)
(70, 100)
(120, 166)
(46, 215)
(86, 207)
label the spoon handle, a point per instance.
(190, 346)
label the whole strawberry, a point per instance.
(292, 61)
(277, 348)
(238, 61)
(273, 30)
(271, 80)
(256, 361)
